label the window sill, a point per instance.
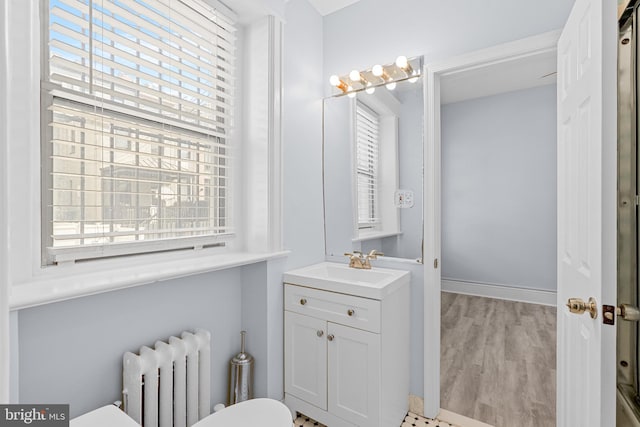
(47, 288)
(371, 235)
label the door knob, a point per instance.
(330, 337)
(320, 333)
(578, 306)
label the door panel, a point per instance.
(354, 375)
(586, 212)
(306, 358)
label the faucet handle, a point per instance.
(374, 254)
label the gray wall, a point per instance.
(302, 134)
(499, 189)
(437, 30)
(71, 352)
(433, 28)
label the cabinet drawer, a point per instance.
(349, 310)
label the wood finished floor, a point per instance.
(498, 361)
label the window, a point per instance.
(367, 147)
(137, 153)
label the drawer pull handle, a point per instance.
(320, 333)
(330, 337)
(351, 312)
(303, 301)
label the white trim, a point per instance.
(460, 420)
(506, 292)
(371, 235)
(47, 290)
(275, 133)
(432, 188)
(4, 229)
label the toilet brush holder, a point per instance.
(240, 375)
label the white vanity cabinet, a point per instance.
(347, 356)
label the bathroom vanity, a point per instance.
(347, 344)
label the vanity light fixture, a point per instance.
(370, 88)
(356, 77)
(389, 75)
(337, 82)
(379, 71)
(403, 63)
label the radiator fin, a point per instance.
(169, 385)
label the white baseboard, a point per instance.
(511, 293)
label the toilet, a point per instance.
(255, 412)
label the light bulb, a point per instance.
(413, 79)
(370, 88)
(377, 70)
(337, 82)
(401, 61)
(354, 75)
(350, 92)
(391, 86)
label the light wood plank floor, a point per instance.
(498, 361)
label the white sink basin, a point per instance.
(331, 276)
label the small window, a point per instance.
(367, 149)
(139, 102)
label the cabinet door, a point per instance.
(354, 374)
(305, 352)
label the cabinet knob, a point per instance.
(303, 301)
(330, 337)
(351, 312)
(320, 333)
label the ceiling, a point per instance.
(325, 7)
(501, 77)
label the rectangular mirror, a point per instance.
(373, 166)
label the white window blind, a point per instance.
(367, 147)
(140, 100)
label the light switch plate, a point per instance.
(403, 199)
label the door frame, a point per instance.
(434, 72)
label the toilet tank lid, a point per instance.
(107, 416)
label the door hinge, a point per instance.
(435, 263)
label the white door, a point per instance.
(305, 342)
(587, 213)
(354, 375)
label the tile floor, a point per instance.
(410, 420)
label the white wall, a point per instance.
(499, 189)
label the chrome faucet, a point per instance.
(360, 261)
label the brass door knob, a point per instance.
(578, 306)
(351, 312)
